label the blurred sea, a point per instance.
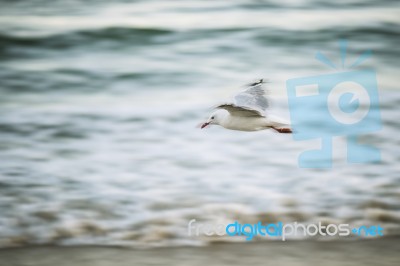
(100, 99)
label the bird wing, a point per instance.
(239, 110)
(251, 101)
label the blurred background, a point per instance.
(100, 101)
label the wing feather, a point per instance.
(250, 102)
(239, 110)
(253, 97)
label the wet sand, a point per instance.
(383, 251)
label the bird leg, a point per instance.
(283, 130)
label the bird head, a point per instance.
(214, 119)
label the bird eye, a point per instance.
(212, 117)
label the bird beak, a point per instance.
(205, 124)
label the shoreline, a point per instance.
(378, 251)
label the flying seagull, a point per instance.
(247, 112)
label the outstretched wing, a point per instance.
(250, 102)
(235, 110)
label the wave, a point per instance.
(169, 231)
(294, 37)
(104, 37)
(113, 37)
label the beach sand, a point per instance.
(382, 251)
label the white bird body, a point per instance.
(243, 123)
(247, 112)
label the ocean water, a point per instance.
(100, 101)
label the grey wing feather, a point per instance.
(253, 97)
(239, 110)
(249, 102)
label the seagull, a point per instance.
(247, 112)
